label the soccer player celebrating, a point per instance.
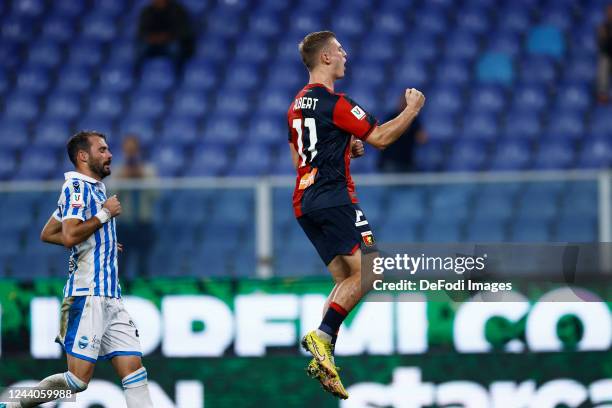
(325, 129)
(94, 322)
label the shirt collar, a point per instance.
(80, 176)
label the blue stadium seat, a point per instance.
(146, 104)
(116, 78)
(267, 131)
(368, 73)
(68, 8)
(430, 157)
(111, 8)
(348, 25)
(74, 79)
(180, 131)
(461, 45)
(143, 128)
(522, 124)
(537, 70)
(414, 73)
(511, 155)
(265, 24)
(233, 103)
(445, 100)
(289, 77)
(601, 122)
(580, 69)
(251, 160)
(199, 75)
(440, 126)
(51, 133)
(493, 208)
(44, 54)
(536, 206)
(530, 97)
(85, 53)
(581, 205)
(420, 46)
(276, 103)
(576, 97)
(190, 104)
(432, 20)
(474, 21)
(63, 106)
(106, 106)
(158, 75)
(566, 124)
(467, 156)
(33, 80)
(453, 72)
(486, 232)
(168, 160)
(504, 43)
(554, 155)
(546, 40)
(13, 135)
(37, 164)
(99, 124)
(434, 231)
(530, 231)
(29, 8)
(596, 153)
(253, 50)
(380, 48)
(98, 27)
(8, 165)
(208, 161)
(389, 22)
(241, 77)
(222, 131)
(487, 98)
(494, 67)
(123, 52)
(9, 247)
(211, 50)
(575, 229)
(16, 29)
(20, 107)
(282, 164)
(480, 126)
(223, 25)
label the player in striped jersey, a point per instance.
(94, 323)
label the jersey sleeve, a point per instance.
(350, 117)
(72, 201)
(57, 214)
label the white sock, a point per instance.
(63, 381)
(136, 389)
(324, 335)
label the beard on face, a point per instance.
(98, 168)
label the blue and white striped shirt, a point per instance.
(93, 263)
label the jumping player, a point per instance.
(94, 323)
(323, 126)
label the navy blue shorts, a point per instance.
(337, 231)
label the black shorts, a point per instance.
(338, 231)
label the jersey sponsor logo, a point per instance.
(358, 112)
(368, 238)
(359, 219)
(308, 179)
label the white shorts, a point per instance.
(93, 327)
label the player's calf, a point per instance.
(62, 381)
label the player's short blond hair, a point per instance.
(311, 46)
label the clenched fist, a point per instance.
(414, 99)
(113, 205)
(357, 149)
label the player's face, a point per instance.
(338, 57)
(100, 157)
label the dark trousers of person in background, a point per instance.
(178, 51)
(604, 68)
(137, 239)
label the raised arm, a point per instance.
(75, 231)
(386, 134)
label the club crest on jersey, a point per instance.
(77, 200)
(358, 112)
(76, 186)
(368, 238)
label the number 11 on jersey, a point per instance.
(312, 136)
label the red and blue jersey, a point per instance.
(321, 125)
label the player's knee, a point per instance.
(74, 382)
(135, 379)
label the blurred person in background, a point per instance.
(399, 157)
(164, 29)
(136, 225)
(604, 65)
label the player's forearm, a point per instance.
(386, 134)
(55, 238)
(75, 234)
